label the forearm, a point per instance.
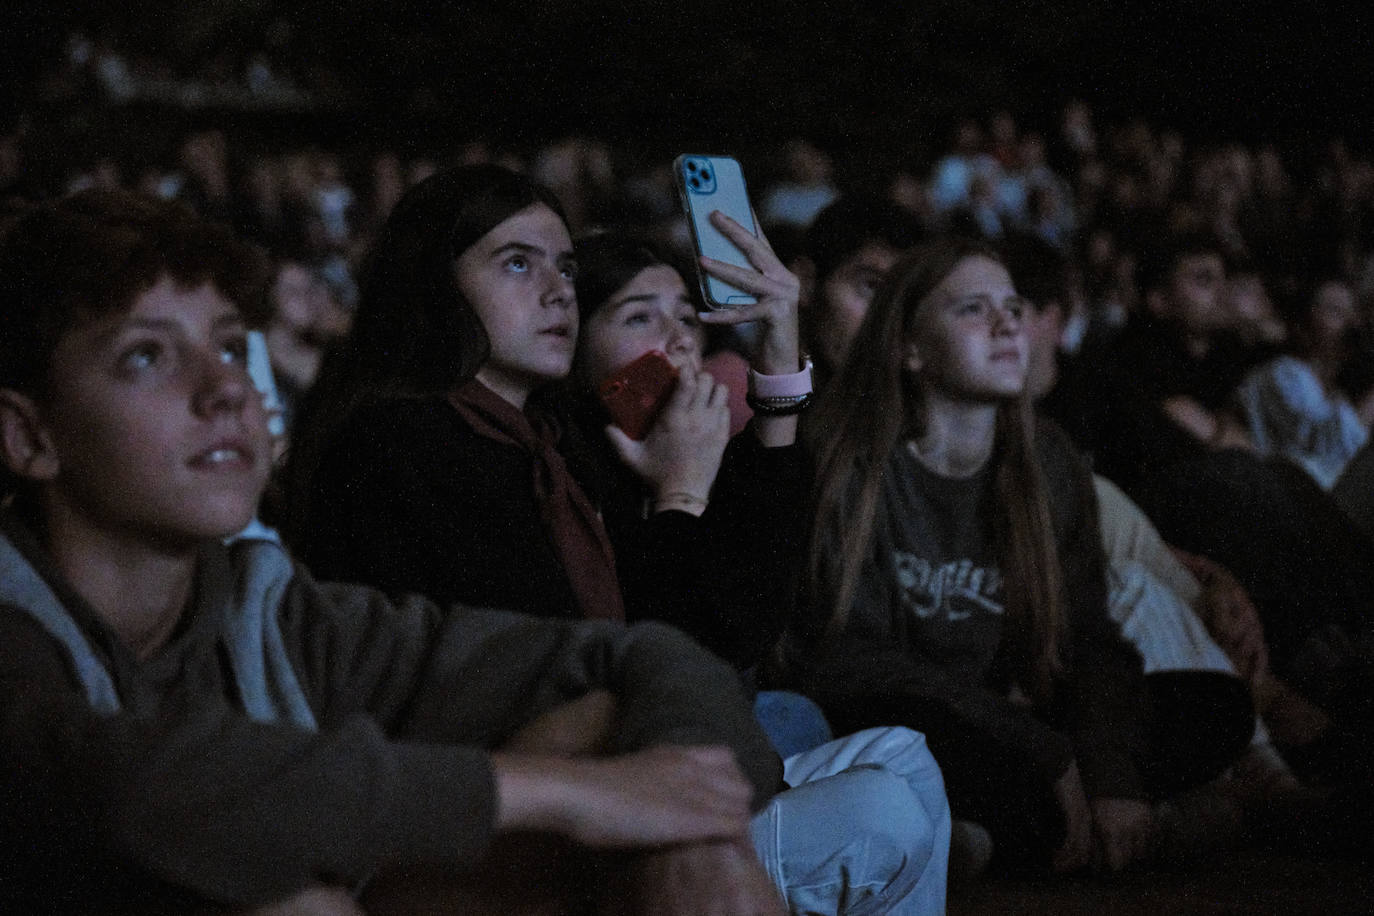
(652, 798)
(236, 812)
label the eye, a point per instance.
(235, 351)
(141, 356)
(637, 318)
(568, 270)
(970, 307)
(1016, 309)
(689, 319)
(517, 263)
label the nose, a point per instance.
(677, 337)
(558, 289)
(1006, 319)
(220, 387)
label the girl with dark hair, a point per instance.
(438, 466)
(708, 534)
(956, 579)
(704, 532)
(429, 452)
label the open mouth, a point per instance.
(224, 455)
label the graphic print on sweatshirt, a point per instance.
(950, 592)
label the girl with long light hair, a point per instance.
(956, 581)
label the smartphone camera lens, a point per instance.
(705, 174)
(691, 165)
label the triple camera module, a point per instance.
(698, 174)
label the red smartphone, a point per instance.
(636, 392)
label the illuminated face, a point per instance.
(519, 279)
(970, 341)
(154, 430)
(651, 312)
(843, 300)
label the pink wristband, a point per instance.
(781, 386)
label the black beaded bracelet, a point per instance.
(778, 407)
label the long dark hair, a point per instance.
(414, 334)
(870, 406)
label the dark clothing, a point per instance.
(1302, 561)
(1196, 724)
(571, 523)
(726, 577)
(923, 645)
(1146, 365)
(131, 782)
(409, 498)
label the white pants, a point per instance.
(864, 830)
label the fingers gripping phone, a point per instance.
(707, 183)
(636, 392)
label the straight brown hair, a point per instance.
(873, 404)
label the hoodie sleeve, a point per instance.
(192, 797)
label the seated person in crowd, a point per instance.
(847, 251)
(1294, 405)
(187, 725)
(454, 467)
(958, 586)
(1173, 443)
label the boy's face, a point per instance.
(843, 299)
(151, 427)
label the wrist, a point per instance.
(681, 500)
(531, 793)
(772, 358)
(780, 395)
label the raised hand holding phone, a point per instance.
(708, 185)
(775, 290)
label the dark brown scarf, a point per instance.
(579, 538)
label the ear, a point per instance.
(911, 357)
(26, 448)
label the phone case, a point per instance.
(636, 392)
(707, 183)
(260, 371)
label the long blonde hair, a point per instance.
(873, 404)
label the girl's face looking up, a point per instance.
(519, 279)
(970, 342)
(651, 312)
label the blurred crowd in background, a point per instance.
(258, 137)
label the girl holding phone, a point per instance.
(956, 580)
(440, 459)
(704, 531)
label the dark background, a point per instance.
(731, 71)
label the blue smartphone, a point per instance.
(707, 183)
